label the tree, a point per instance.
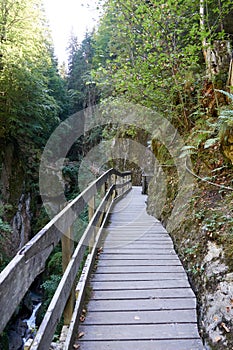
(81, 86)
(26, 106)
(151, 53)
(32, 101)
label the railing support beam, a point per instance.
(91, 212)
(67, 252)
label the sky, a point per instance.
(66, 16)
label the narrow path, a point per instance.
(141, 298)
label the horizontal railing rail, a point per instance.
(30, 261)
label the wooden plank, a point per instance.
(144, 239)
(138, 231)
(131, 242)
(167, 247)
(150, 276)
(138, 269)
(138, 332)
(140, 317)
(129, 285)
(134, 238)
(173, 344)
(116, 262)
(139, 242)
(155, 251)
(142, 294)
(143, 304)
(134, 242)
(136, 257)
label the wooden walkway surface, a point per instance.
(141, 298)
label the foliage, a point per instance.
(147, 52)
(81, 87)
(49, 288)
(226, 120)
(55, 264)
(5, 227)
(70, 174)
(26, 106)
(221, 129)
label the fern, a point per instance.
(187, 151)
(5, 227)
(224, 124)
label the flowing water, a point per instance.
(31, 323)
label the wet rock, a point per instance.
(16, 335)
(28, 303)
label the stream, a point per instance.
(24, 326)
(31, 323)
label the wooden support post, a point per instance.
(103, 192)
(91, 208)
(67, 251)
(114, 180)
(120, 183)
(91, 212)
(127, 186)
(143, 184)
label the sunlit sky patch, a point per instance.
(66, 16)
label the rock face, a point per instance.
(204, 251)
(15, 200)
(21, 222)
(218, 312)
(16, 335)
(217, 305)
(22, 329)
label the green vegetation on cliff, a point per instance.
(173, 58)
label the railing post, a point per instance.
(91, 208)
(67, 251)
(91, 212)
(130, 179)
(102, 193)
(114, 180)
(121, 183)
(126, 186)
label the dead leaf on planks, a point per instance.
(80, 335)
(225, 327)
(76, 346)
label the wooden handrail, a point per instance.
(17, 277)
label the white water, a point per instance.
(31, 322)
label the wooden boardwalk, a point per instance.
(141, 298)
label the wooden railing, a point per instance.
(17, 277)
